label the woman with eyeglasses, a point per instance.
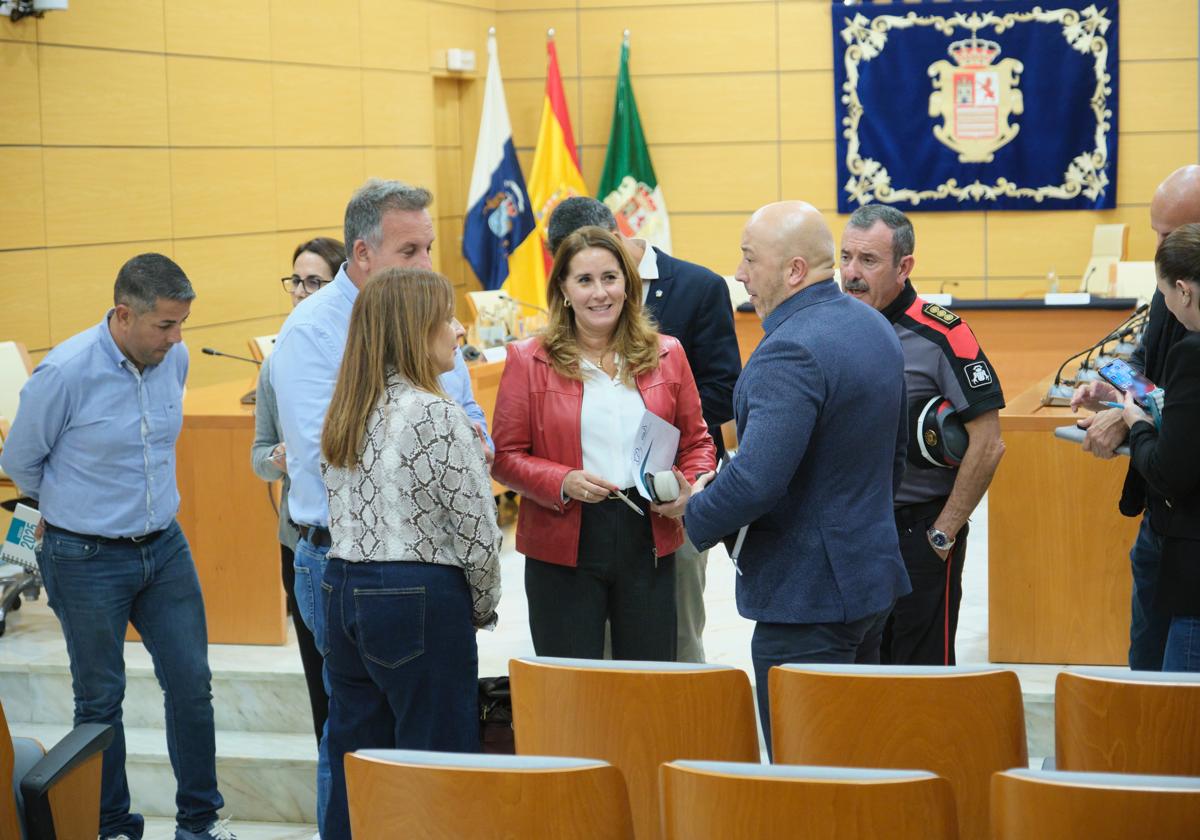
(314, 263)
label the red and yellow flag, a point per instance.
(555, 174)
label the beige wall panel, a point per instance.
(24, 299)
(1143, 241)
(504, 7)
(948, 244)
(214, 102)
(452, 180)
(523, 49)
(606, 4)
(20, 108)
(317, 106)
(805, 42)
(717, 178)
(397, 108)
(713, 240)
(681, 109)
(221, 28)
(106, 195)
(24, 30)
(524, 99)
(285, 244)
(114, 24)
(216, 191)
(81, 282)
(447, 252)
(394, 34)
(1158, 95)
(806, 106)
(1011, 287)
(209, 370)
(409, 164)
(235, 278)
(1064, 243)
(22, 212)
(1145, 159)
(464, 28)
(313, 185)
(1158, 29)
(102, 97)
(737, 38)
(314, 32)
(809, 173)
(447, 108)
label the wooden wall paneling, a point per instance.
(452, 174)
(949, 244)
(463, 27)
(114, 24)
(508, 6)
(287, 241)
(80, 282)
(806, 106)
(808, 171)
(397, 108)
(1158, 29)
(805, 40)
(235, 278)
(525, 97)
(522, 37)
(1158, 95)
(20, 107)
(713, 240)
(25, 30)
(222, 191)
(604, 4)
(1145, 159)
(202, 111)
(22, 212)
(717, 178)
(315, 32)
(98, 195)
(102, 97)
(394, 34)
(411, 164)
(314, 185)
(1013, 252)
(204, 371)
(317, 106)
(25, 313)
(219, 28)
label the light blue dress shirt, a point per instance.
(94, 440)
(304, 369)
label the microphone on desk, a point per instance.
(508, 299)
(214, 352)
(1061, 392)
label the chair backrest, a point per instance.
(261, 346)
(406, 793)
(15, 368)
(1136, 279)
(737, 291)
(635, 716)
(706, 800)
(1134, 722)
(961, 723)
(1088, 806)
(10, 820)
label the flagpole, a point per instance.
(625, 38)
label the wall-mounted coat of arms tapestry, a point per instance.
(977, 105)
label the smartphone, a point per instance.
(1125, 379)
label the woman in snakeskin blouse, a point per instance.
(413, 568)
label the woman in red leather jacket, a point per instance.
(568, 408)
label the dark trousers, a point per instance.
(310, 657)
(923, 624)
(403, 666)
(795, 644)
(617, 578)
(1149, 620)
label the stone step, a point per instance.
(163, 828)
(266, 777)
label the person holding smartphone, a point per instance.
(1168, 456)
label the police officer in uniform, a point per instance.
(951, 388)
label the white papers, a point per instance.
(19, 546)
(1067, 298)
(654, 448)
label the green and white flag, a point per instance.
(629, 186)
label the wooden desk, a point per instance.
(227, 516)
(485, 384)
(1058, 550)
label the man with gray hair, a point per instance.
(94, 443)
(944, 371)
(387, 225)
(689, 303)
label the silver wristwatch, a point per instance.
(939, 540)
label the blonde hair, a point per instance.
(635, 339)
(391, 325)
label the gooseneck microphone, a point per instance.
(1116, 332)
(214, 352)
(508, 299)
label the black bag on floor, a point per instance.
(495, 716)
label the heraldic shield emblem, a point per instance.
(975, 97)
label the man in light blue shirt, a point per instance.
(94, 442)
(387, 225)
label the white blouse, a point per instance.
(608, 424)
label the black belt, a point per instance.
(909, 515)
(126, 541)
(318, 535)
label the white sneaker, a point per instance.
(217, 831)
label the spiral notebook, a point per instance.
(20, 546)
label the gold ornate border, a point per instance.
(1083, 30)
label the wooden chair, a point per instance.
(712, 800)
(15, 369)
(1131, 722)
(635, 716)
(60, 789)
(962, 723)
(1036, 804)
(1110, 245)
(261, 346)
(460, 796)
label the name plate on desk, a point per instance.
(1068, 299)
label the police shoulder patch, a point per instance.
(940, 313)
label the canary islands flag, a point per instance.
(499, 238)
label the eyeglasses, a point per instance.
(310, 283)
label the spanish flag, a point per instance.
(555, 175)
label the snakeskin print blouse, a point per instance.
(419, 493)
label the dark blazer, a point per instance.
(822, 431)
(691, 303)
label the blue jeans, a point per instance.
(310, 569)
(831, 643)
(1148, 624)
(402, 664)
(1183, 644)
(96, 589)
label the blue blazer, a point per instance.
(821, 420)
(691, 303)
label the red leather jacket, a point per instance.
(537, 436)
